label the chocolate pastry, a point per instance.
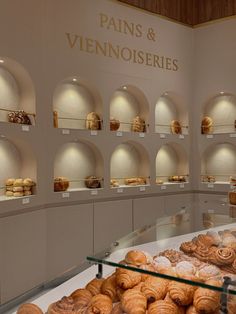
(114, 124)
(138, 125)
(136, 258)
(127, 279)
(100, 303)
(181, 293)
(154, 288)
(92, 182)
(175, 127)
(64, 306)
(109, 286)
(29, 308)
(19, 116)
(81, 298)
(93, 121)
(133, 302)
(94, 286)
(163, 307)
(61, 184)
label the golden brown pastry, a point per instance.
(181, 293)
(185, 268)
(138, 125)
(114, 124)
(181, 309)
(207, 125)
(10, 182)
(148, 267)
(29, 308)
(154, 288)
(205, 300)
(114, 183)
(92, 182)
(188, 247)
(81, 297)
(64, 306)
(172, 255)
(133, 302)
(93, 121)
(100, 304)
(224, 256)
(28, 182)
(109, 287)
(175, 127)
(208, 272)
(229, 241)
(9, 193)
(191, 310)
(27, 188)
(27, 193)
(202, 253)
(61, 184)
(136, 181)
(18, 189)
(231, 304)
(162, 307)
(161, 264)
(119, 292)
(18, 194)
(94, 286)
(117, 309)
(136, 258)
(18, 182)
(9, 188)
(127, 279)
(204, 240)
(232, 197)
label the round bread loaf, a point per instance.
(61, 184)
(92, 182)
(114, 124)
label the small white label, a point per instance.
(210, 185)
(141, 134)
(163, 187)
(65, 131)
(25, 128)
(181, 136)
(142, 189)
(94, 132)
(211, 211)
(65, 195)
(232, 135)
(162, 136)
(181, 185)
(119, 133)
(120, 190)
(209, 136)
(94, 192)
(25, 200)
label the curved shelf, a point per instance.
(17, 93)
(76, 161)
(127, 103)
(170, 108)
(77, 105)
(129, 166)
(171, 164)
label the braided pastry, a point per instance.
(64, 306)
(188, 247)
(163, 307)
(181, 293)
(29, 308)
(94, 286)
(154, 288)
(100, 304)
(109, 287)
(134, 302)
(127, 279)
(81, 297)
(136, 258)
(224, 256)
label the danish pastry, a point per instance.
(181, 293)
(224, 256)
(93, 121)
(208, 272)
(202, 253)
(136, 258)
(100, 303)
(133, 302)
(81, 297)
(172, 255)
(64, 306)
(175, 127)
(204, 240)
(94, 286)
(114, 124)
(109, 287)
(138, 125)
(154, 288)
(127, 279)
(188, 247)
(162, 307)
(161, 263)
(185, 268)
(29, 308)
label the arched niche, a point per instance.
(73, 99)
(222, 110)
(127, 103)
(219, 163)
(129, 160)
(171, 160)
(17, 91)
(170, 107)
(76, 161)
(17, 161)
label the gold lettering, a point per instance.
(71, 41)
(148, 59)
(168, 63)
(89, 45)
(135, 56)
(138, 30)
(129, 27)
(123, 50)
(116, 51)
(103, 19)
(103, 49)
(112, 24)
(175, 65)
(140, 55)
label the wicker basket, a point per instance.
(232, 197)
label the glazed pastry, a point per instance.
(154, 288)
(18, 182)
(18, 194)
(205, 300)
(224, 256)
(188, 247)
(28, 182)
(204, 240)
(185, 268)
(61, 184)
(64, 306)
(191, 310)
(100, 303)
(161, 263)
(81, 298)
(136, 258)
(93, 121)
(114, 124)
(208, 272)
(172, 255)
(9, 182)
(114, 183)
(27, 193)
(94, 286)
(207, 125)
(29, 308)
(175, 127)
(109, 287)
(92, 182)
(181, 293)
(18, 189)
(133, 302)
(202, 253)
(127, 279)
(138, 125)
(9, 193)
(119, 292)
(117, 309)
(162, 307)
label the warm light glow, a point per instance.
(1, 61)
(124, 87)
(221, 93)
(74, 80)
(3, 136)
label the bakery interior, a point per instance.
(118, 157)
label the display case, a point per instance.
(172, 264)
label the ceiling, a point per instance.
(191, 12)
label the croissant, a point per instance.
(181, 309)
(133, 302)
(163, 307)
(109, 287)
(94, 286)
(191, 310)
(81, 297)
(181, 293)
(148, 267)
(154, 288)
(231, 304)
(117, 309)
(136, 258)
(29, 308)
(100, 304)
(205, 300)
(64, 306)
(127, 279)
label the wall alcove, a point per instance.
(129, 110)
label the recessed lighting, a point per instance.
(1, 61)
(125, 87)
(221, 93)
(74, 80)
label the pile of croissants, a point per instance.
(19, 187)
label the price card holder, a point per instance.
(162, 136)
(163, 187)
(232, 135)
(65, 132)
(209, 136)
(142, 135)
(25, 200)
(181, 137)
(181, 186)
(94, 192)
(25, 128)
(65, 195)
(120, 190)
(210, 185)
(142, 189)
(94, 133)
(119, 133)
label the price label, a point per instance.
(25, 200)
(163, 187)
(119, 133)
(141, 134)
(94, 192)
(94, 132)
(65, 195)
(120, 190)
(142, 189)
(232, 135)
(209, 136)
(162, 136)
(181, 185)
(65, 132)
(181, 136)
(210, 185)
(25, 128)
